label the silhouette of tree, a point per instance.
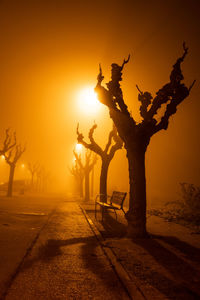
(11, 158)
(106, 155)
(42, 178)
(86, 168)
(136, 137)
(33, 167)
(8, 144)
(78, 174)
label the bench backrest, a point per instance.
(118, 198)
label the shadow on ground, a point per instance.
(164, 262)
(89, 256)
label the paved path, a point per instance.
(66, 262)
(21, 220)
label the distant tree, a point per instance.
(12, 158)
(136, 136)
(32, 168)
(114, 143)
(9, 142)
(78, 174)
(86, 168)
(42, 178)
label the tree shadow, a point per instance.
(92, 258)
(190, 252)
(186, 278)
(181, 270)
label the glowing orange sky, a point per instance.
(51, 49)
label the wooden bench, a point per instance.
(114, 202)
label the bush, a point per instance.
(191, 196)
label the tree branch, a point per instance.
(118, 143)
(7, 145)
(78, 159)
(145, 99)
(93, 146)
(172, 93)
(104, 95)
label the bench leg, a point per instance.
(115, 214)
(123, 210)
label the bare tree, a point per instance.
(33, 167)
(11, 158)
(136, 137)
(9, 142)
(78, 174)
(114, 143)
(86, 168)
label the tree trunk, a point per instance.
(10, 182)
(103, 180)
(136, 216)
(92, 182)
(87, 186)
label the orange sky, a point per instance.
(51, 49)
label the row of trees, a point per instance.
(136, 136)
(11, 151)
(113, 144)
(82, 170)
(40, 177)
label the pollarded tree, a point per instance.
(78, 174)
(136, 136)
(9, 142)
(11, 158)
(86, 168)
(114, 143)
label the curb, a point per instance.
(131, 288)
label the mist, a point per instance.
(51, 51)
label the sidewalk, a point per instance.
(165, 266)
(66, 262)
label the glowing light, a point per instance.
(79, 147)
(2, 157)
(23, 166)
(88, 102)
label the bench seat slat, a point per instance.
(108, 205)
(116, 202)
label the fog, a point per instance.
(51, 50)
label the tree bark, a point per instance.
(103, 180)
(10, 182)
(136, 215)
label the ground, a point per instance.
(164, 266)
(54, 246)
